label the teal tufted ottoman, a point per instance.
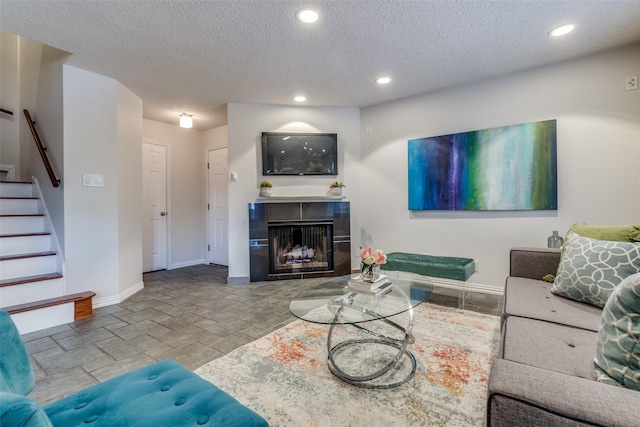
(162, 394)
(453, 269)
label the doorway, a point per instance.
(218, 206)
(154, 199)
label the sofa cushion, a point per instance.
(618, 350)
(161, 394)
(538, 397)
(616, 233)
(17, 410)
(590, 269)
(533, 299)
(549, 346)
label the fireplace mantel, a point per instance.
(285, 199)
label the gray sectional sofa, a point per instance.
(545, 374)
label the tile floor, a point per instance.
(188, 314)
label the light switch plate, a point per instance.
(92, 180)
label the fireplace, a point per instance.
(300, 247)
(297, 240)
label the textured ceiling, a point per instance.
(195, 56)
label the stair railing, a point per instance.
(3, 111)
(42, 150)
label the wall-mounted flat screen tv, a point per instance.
(299, 153)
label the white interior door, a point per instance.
(218, 209)
(154, 195)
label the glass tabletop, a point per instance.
(332, 302)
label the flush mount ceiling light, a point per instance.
(383, 80)
(308, 16)
(562, 30)
(299, 98)
(186, 121)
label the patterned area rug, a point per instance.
(284, 376)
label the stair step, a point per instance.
(40, 233)
(16, 189)
(21, 290)
(19, 265)
(21, 224)
(13, 244)
(23, 256)
(29, 279)
(18, 205)
(50, 312)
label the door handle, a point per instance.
(163, 213)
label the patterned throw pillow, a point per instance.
(590, 269)
(618, 351)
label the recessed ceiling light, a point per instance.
(308, 16)
(383, 80)
(562, 30)
(299, 98)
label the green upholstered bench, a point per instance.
(453, 270)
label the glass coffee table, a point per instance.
(365, 347)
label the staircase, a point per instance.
(32, 287)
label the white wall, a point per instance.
(216, 138)
(10, 100)
(47, 112)
(99, 139)
(598, 133)
(186, 163)
(246, 122)
(129, 162)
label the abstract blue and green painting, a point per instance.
(506, 168)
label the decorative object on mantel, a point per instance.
(265, 189)
(555, 241)
(336, 188)
(370, 265)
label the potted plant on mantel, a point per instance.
(265, 189)
(336, 188)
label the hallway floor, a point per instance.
(188, 314)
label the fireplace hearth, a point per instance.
(297, 240)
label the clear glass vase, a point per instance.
(370, 273)
(555, 241)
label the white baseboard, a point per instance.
(240, 280)
(117, 299)
(187, 263)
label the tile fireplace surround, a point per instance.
(273, 213)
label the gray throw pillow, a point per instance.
(618, 350)
(590, 269)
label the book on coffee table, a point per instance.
(359, 285)
(381, 289)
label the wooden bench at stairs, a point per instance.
(83, 306)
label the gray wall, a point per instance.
(598, 126)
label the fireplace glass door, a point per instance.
(300, 247)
